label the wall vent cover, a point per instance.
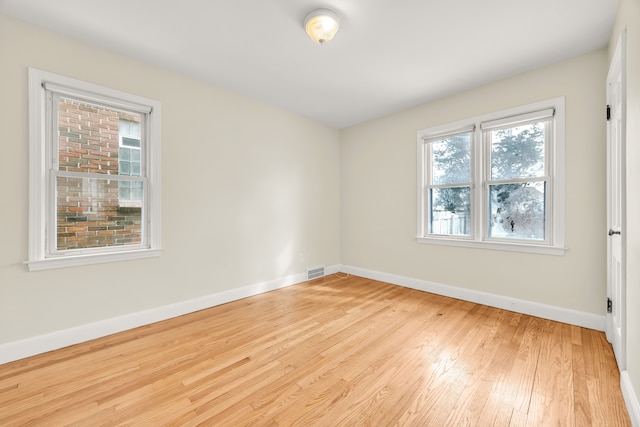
(314, 273)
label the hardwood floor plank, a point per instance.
(553, 382)
(338, 351)
(494, 356)
(497, 410)
(580, 387)
(602, 378)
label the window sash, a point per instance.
(489, 218)
(453, 221)
(52, 213)
(488, 146)
(53, 144)
(545, 117)
(95, 98)
(430, 187)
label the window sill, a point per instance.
(88, 259)
(510, 247)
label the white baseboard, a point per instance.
(559, 314)
(630, 398)
(16, 350)
(40, 344)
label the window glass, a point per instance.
(130, 160)
(88, 215)
(449, 193)
(130, 142)
(517, 152)
(450, 211)
(88, 210)
(451, 159)
(517, 204)
(517, 211)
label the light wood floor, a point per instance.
(338, 351)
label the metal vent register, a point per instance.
(314, 273)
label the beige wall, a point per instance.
(379, 193)
(629, 18)
(246, 188)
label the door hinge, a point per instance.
(608, 112)
(609, 305)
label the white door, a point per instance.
(616, 288)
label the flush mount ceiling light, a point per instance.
(321, 25)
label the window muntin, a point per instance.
(76, 215)
(516, 185)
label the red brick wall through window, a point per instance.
(88, 210)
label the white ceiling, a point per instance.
(387, 55)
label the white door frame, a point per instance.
(616, 224)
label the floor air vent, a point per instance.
(314, 273)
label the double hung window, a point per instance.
(495, 181)
(94, 171)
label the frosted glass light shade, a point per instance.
(321, 25)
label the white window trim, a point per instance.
(38, 171)
(556, 242)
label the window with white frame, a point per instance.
(94, 173)
(495, 181)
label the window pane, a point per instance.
(136, 191)
(130, 193)
(88, 136)
(125, 168)
(451, 160)
(518, 211)
(129, 128)
(125, 191)
(518, 152)
(130, 142)
(89, 215)
(125, 154)
(450, 211)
